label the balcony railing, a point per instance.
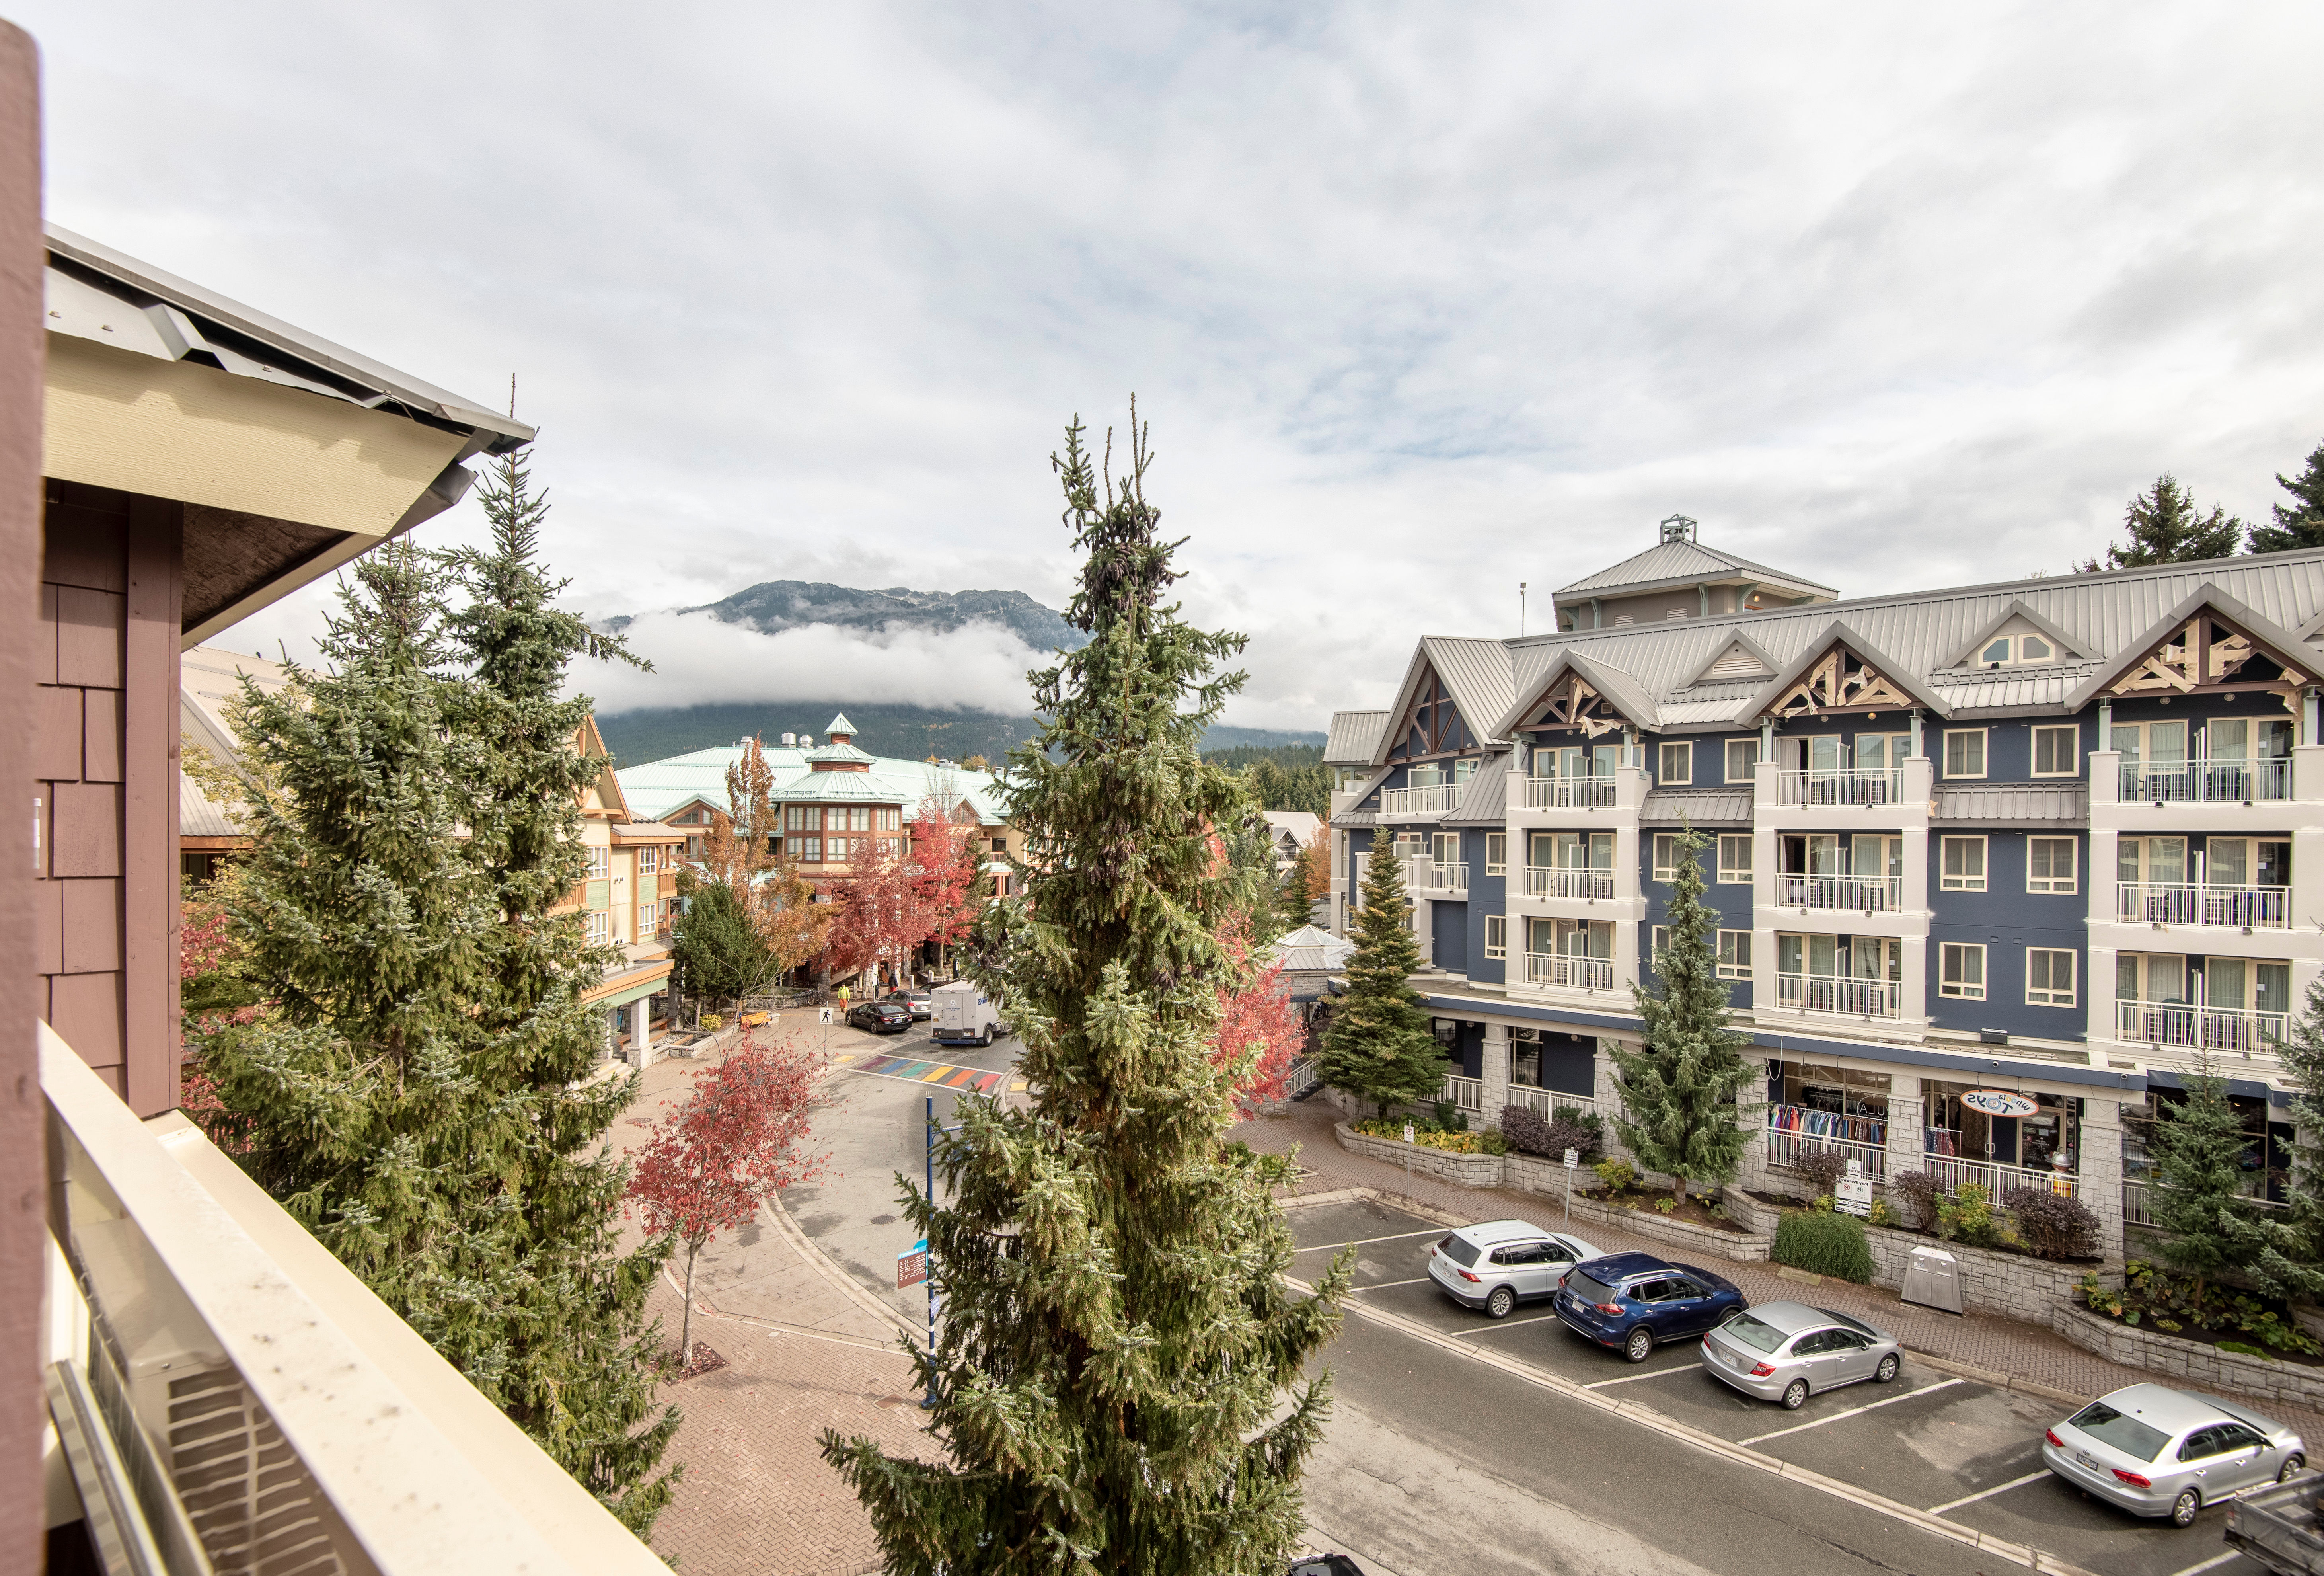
(1953, 1172)
(1420, 802)
(1841, 787)
(1789, 1144)
(244, 1403)
(2198, 1028)
(1848, 893)
(1430, 875)
(1467, 1094)
(1563, 973)
(2137, 1195)
(1568, 792)
(1544, 1102)
(1825, 993)
(2208, 782)
(2247, 908)
(1543, 882)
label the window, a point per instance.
(601, 927)
(1735, 858)
(1677, 763)
(888, 820)
(1497, 936)
(1667, 855)
(1497, 853)
(599, 858)
(2016, 648)
(803, 818)
(1658, 941)
(1962, 971)
(1742, 754)
(648, 860)
(1734, 954)
(2033, 648)
(2049, 977)
(2055, 751)
(2050, 864)
(1965, 752)
(1964, 865)
(1995, 651)
(857, 818)
(649, 920)
(808, 850)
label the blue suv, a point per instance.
(1633, 1302)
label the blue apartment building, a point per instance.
(1997, 868)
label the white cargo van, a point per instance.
(964, 1016)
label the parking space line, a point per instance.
(1996, 1489)
(1363, 1241)
(1384, 1286)
(1853, 1412)
(1499, 1325)
(1655, 1374)
(2213, 1563)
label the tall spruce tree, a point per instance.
(2165, 526)
(2284, 1248)
(1112, 1371)
(1681, 1114)
(2302, 525)
(1295, 907)
(1378, 1046)
(2198, 1200)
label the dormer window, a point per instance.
(2016, 651)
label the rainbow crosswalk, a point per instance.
(941, 1074)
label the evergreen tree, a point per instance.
(719, 953)
(1680, 1113)
(1111, 1375)
(2302, 524)
(1292, 890)
(2284, 1248)
(2166, 528)
(1378, 1046)
(2197, 1200)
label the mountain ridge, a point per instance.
(772, 606)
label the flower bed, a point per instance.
(2222, 1316)
(1469, 1170)
(1452, 1141)
(2198, 1365)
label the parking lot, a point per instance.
(1966, 1451)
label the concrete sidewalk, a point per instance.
(2000, 1351)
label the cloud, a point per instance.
(699, 661)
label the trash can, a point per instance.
(1932, 1278)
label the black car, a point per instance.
(881, 1017)
(1325, 1566)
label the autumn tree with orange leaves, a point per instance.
(744, 853)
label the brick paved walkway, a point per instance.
(2028, 1354)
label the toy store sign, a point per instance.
(1999, 1102)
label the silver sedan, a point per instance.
(2159, 1452)
(1787, 1351)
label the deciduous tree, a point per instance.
(1260, 1030)
(1378, 1046)
(953, 887)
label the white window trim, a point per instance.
(1962, 992)
(1727, 757)
(1984, 752)
(1499, 866)
(1657, 941)
(2054, 997)
(1736, 875)
(1661, 754)
(2050, 886)
(1734, 971)
(1654, 855)
(1984, 864)
(1496, 924)
(2034, 750)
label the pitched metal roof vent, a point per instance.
(1678, 528)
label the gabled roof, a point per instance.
(1684, 563)
(657, 789)
(1622, 690)
(1837, 632)
(2282, 645)
(1354, 738)
(1475, 673)
(2018, 608)
(1738, 641)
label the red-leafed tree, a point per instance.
(738, 1140)
(878, 910)
(951, 875)
(1259, 1020)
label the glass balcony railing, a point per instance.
(1873, 786)
(2243, 908)
(1845, 894)
(1825, 993)
(1434, 876)
(1563, 973)
(1568, 792)
(2207, 781)
(1542, 881)
(1402, 803)
(2188, 1027)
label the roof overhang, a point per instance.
(2270, 640)
(1407, 693)
(2019, 608)
(1912, 692)
(1624, 693)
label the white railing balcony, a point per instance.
(1541, 881)
(1432, 876)
(1563, 973)
(2243, 908)
(1544, 1102)
(1851, 1138)
(1568, 792)
(1954, 1172)
(1841, 787)
(2207, 781)
(2198, 1028)
(1845, 894)
(231, 1397)
(1417, 803)
(2137, 1196)
(1826, 993)
(1467, 1094)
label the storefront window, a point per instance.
(2034, 1140)
(1524, 1057)
(1828, 1102)
(2267, 1147)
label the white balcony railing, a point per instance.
(1845, 894)
(243, 1402)
(2245, 908)
(1825, 993)
(2198, 1028)
(1544, 1102)
(1592, 884)
(2207, 781)
(1467, 1094)
(1841, 787)
(1430, 875)
(2137, 1199)
(1563, 973)
(1409, 803)
(1954, 1172)
(1568, 792)
(1787, 1147)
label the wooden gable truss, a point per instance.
(1574, 702)
(2209, 656)
(1840, 682)
(1432, 725)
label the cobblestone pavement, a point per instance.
(2003, 1351)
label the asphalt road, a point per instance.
(1443, 1457)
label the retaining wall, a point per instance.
(2194, 1363)
(1474, 1171)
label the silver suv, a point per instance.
(1499, 1264)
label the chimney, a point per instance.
(790, 740)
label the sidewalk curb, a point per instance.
(824, 1265)
(1999, 1381)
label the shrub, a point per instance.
(1451, 1119)
(1913, 1195)
(1526, 1130)
(1666, 1204)
(1821, 1170)
(1427, 1135)
(1616, 1176)
(1568, 1127)
(1968, 1215)
(2054, 1224)
(1881, 1214)
(1823, 1244)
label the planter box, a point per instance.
(2194, 1363)
(2012, 1284)
(1473, 1171)
(1532, 1175)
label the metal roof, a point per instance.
(1485, 797)
(656, 788)
(1682, 563)
(830, 785)
(1355, 735)
(1696, 806)
(2013, 805)
(1312, 949)
(1474, 672)
(208, 679)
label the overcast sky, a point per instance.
(1421, 301)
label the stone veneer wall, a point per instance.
(2192, 1362)
(1473, 1171)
